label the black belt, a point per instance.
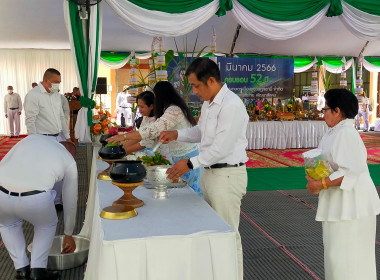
(124, 107)
(223, 165)
(13, 108)
(19, 194)
(55, 135)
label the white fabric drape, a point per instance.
(157, 23)
(20, 68)
(271, 29)
(362, 24)
(305, 68)
(337, 70)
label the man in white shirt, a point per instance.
(42, 162)
(363, 113)
(123, 107)
(12, 110)
(43, 107)
(221, 132)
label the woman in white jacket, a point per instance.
(348, 200)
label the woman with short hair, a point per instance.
(348, 200)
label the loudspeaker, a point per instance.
(101, 86)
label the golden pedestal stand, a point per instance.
(104, 174)
(118, 212)
(128, 199)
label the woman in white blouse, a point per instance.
(348, 200)
(171, 113)
(145, 103)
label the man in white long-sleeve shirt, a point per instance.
(221, 132)
(12, 110)
(42, 162)
(43, 107)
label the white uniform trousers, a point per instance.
(223, 189)
(14, 122)
(127, 113)
(349, 249)
(38, 210)
(365, 116)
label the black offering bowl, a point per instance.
(112, 152)
(127, 171)
(103, 139)
(127, 175)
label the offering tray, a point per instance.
(119, 212)
(181, 184)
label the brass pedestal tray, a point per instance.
(128, 199)
(104, 175)
(118, 212)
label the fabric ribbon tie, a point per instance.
(335, 8)
(90, 104)
(224, 6)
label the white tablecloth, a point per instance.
(285, 134)
(177, 238)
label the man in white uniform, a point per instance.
(221, 132)
(363, 113)
(44, 113)
(42, 162)
(43, 108)
(123, 107)
(12, 110)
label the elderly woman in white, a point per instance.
(348, 200)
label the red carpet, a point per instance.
(268, 158)
(7, 143)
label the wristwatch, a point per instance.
(190, 164)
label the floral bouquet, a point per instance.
(316, 167)
(102, 123)
(71, 96)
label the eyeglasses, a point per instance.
(323, 110)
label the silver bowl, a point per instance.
(156, 174)
(58, 261)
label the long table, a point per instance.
(285, 134)
(177, 238)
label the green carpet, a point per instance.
(287, 178)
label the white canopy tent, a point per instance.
(39, 24)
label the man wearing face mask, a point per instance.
(12, 110)
(43, 108)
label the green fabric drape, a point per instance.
(281, 10)
(224, 6)
(81, 53)
(373, 60)
(368, 6)
(335, 8)
(302, 61)
(96, 64)
(171, 6)
(113, 57)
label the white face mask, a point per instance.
(10, 90)
(54, 87)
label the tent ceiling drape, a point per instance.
(45, 28)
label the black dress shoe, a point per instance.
(44, 274)
(23, 273)
(11, 136)
(59, 207)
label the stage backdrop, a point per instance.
(258, 77)
(269, 78)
